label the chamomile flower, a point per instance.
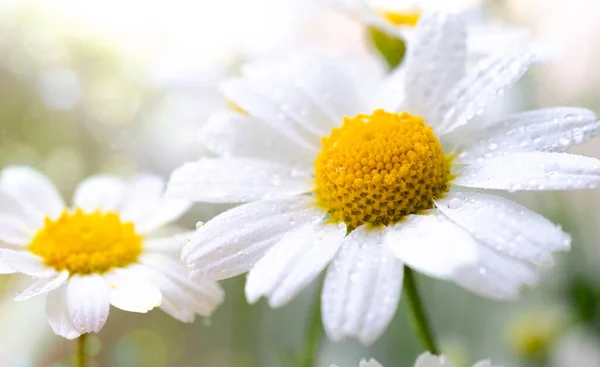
(99, 252)
(427, 360)
(398, 19)
(336, 175)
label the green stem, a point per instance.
(244, 339)
(420, 322)
(314, 334)
(81, 360)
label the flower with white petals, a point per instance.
(100, 251)
(335, 175)
(398, 19)
(427, 360)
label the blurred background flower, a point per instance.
(123, 86)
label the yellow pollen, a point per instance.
(406, 18)
(376, 169)
(87, 243)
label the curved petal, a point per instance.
(130, 290)
(475, 92)
(232, 180)
(231, 134)
(58, 314)
(33, 190)
(495, 276)
(293, 262)
(391, 92)
(435, 62)
(26, 263)
(15, 212)
(232, 242)
(432, 244)
(15, 232)
(544, 130)
(104, 193)
(362, 288)
(532, 171)
(506, 226)
(370, 363)
(5, 269)
(330, 86)
(87, 302)
(145, 204)
(429, 360)
(43, 285)
(251, 98)
(303, 96)
(182, 297)
(170, 245)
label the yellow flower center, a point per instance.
(406, 18)
(376, 169)
(85, 243)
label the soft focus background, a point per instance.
(122, 86)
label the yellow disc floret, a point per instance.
(376, 169)
(408, 18)
(87, 243)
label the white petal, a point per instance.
(43, 285)
(303, 97)
(293, 262)
(147, 207)
(488, 80)
(277, 82)
(232, 242)
(231, 134)
(370, 363)
(131, 291)
(87, 301)
(429, 360)
(58, 314)
(26, 263)
(506, 226)
(391, 93)
(331, 87)
(229, 180)
(14, 232)
(495, 276)
(33, 190)
(532, 171)
(5, 269)
(546, 129)
(435, 62)
(432, 244)
(362, 288)
(485, 363)
(15, 211)
(104, 193)
(182, 297)
(171, 245)
(250, 97)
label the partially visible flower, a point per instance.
(579, 347)
(427, 360)
(532, 333)
(101, 251)
(398, 20)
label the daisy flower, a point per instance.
(398, 19)
(427, 360)
(336, 175)
(99, 252)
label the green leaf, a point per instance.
(391, 48)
